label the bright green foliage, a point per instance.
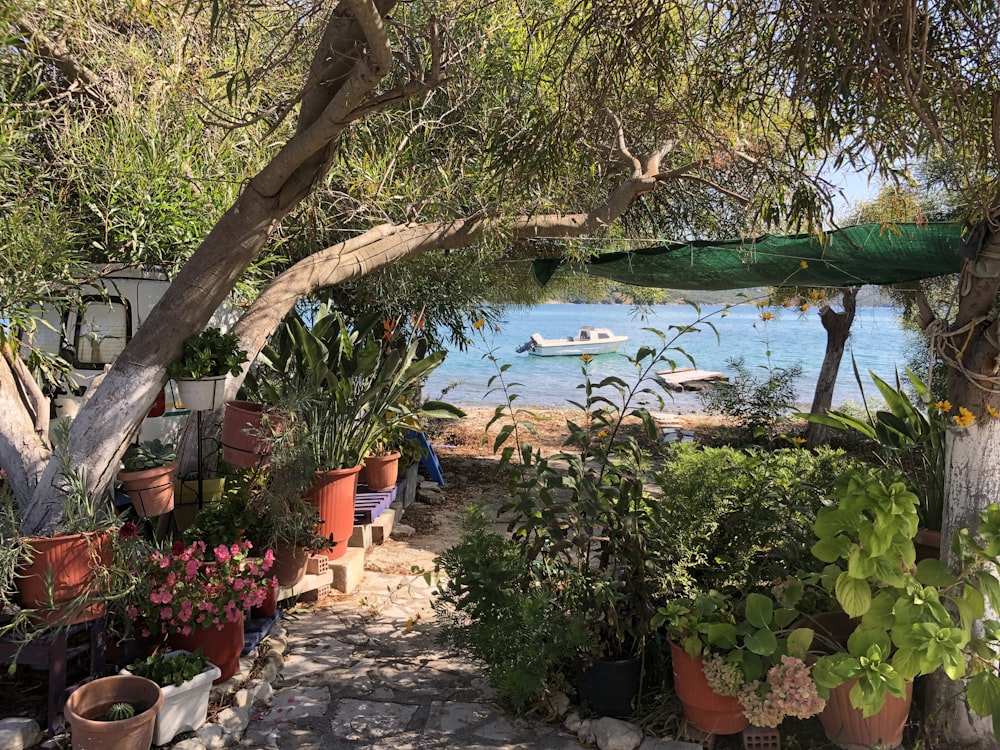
(210, 353)
(910, 438)
(174, 668)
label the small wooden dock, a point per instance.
(690, 379)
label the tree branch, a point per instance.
(34, 400)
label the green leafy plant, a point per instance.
(757, 403)
(910, 438)
(170, 668)
(148, 455)
(210, 353)
(349, 386)
(751, 650)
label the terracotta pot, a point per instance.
(245, 438)
(846, 726)
(704, 709)
(269, 606)
(927, 544)
(379, 473)
(150, 490)
(202, 395)
(87, 705)
(610, 687)
(333, 492)
(289, 564)
(61, 572)
(220, 645)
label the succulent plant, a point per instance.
(149, 455)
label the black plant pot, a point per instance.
(609, 688)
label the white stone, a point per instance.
(614, 734)
(263, 693)
(212, 736)
(242, 698)
(191, 743)
(559, 704)
(233, 720)
(572, 722)
(17, 733)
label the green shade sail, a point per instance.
(863, 254)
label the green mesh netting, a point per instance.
(864, 254)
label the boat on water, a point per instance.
(589, 340)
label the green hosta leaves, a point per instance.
(759, 610)
(854, 595)
(799, 642)
(983, 696)
(762, 642)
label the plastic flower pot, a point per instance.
(202, 395)
(221, 646)
(185, 707)
(333, 492)
(380, 473)
(704, 709)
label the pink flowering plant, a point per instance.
(189, 589)
(750, 650)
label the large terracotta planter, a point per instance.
(289, 564)
(245, 438)
(380, 473)
(927, 544)
(704, 709)
(202, 395)
(846, 726)
(62, 571)
(220, 645)
(610, 687)
(87, 705)
(150, 490)
(333, 492)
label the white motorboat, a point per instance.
(590, 340)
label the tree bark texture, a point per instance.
(838, 328)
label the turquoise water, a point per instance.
(877, 342)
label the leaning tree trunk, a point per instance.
(838, 329)
(969, 348)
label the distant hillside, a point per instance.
(868, 296)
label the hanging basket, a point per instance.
(245, 437)
(150, 490)
(202, 395)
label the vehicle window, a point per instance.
(102, 330)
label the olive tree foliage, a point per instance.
(400, 127)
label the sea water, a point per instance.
(877, 343)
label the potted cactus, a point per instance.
(114, 712)
(148, 477)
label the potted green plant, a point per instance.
(114, 712)
(185, 679)
(739, 660)
(347, 387)
(147, 477)
(201, 371)
(910, 439)
(908, 620)
(61, 578)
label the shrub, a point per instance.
(756, 403)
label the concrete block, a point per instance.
(349, 570)
(361, 536)
(383, 525)
(314, 595)
(307, 584)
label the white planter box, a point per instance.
(185, 707)
(202, 395)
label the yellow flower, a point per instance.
(944, 406)
(786, 303)
(479, 324)
(602, 433)
(766, 316)
(965, 418)
(586, 357)
(761, 303)
(496, 328)
(992, 412)
(799, 440)
(803, 264)
(804, 307)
